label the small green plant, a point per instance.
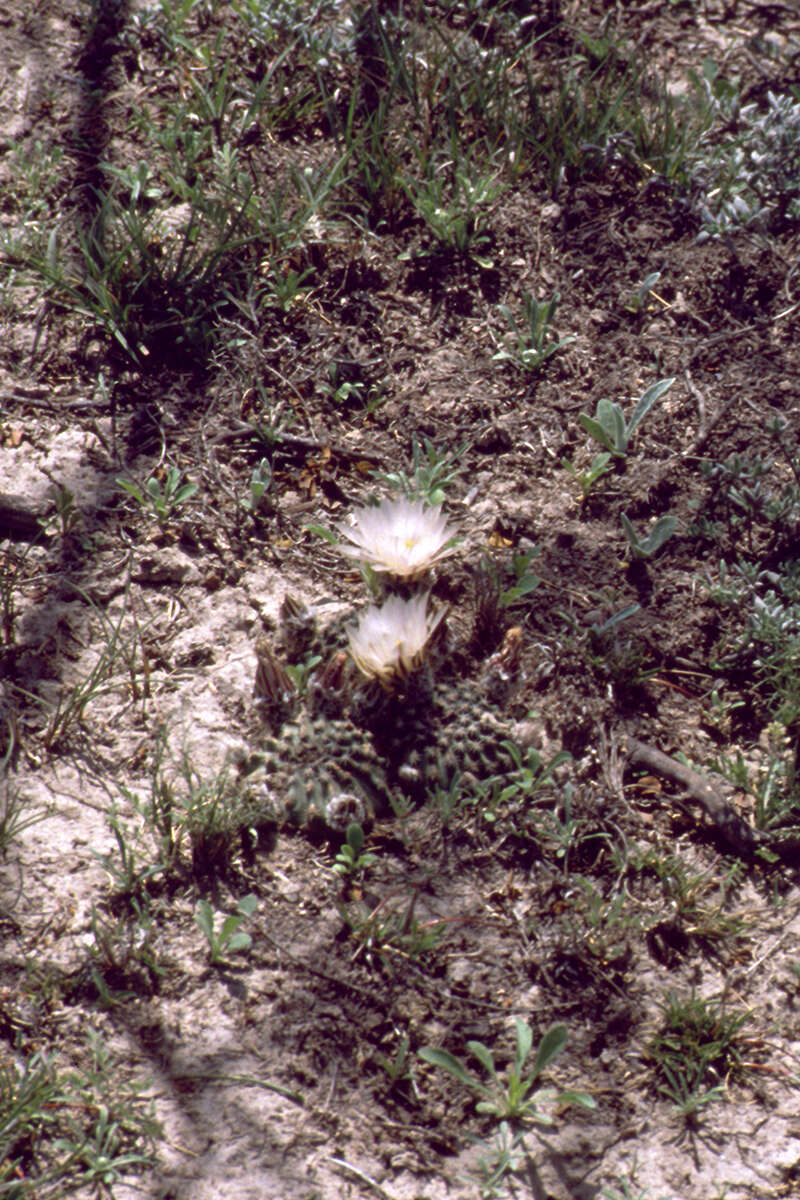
(400, 1067)
(622, 657)
(649, 545)
(431, 473)
(763, 649)
(600, 923)
(123, 960)
(13, 817)
(65, 509)
(696, 1052)
(526, 580)
(453, 211)
(446, 796)
(163, 497)
(391, 928)
(608, 425)
(773, 783)
(300, 673)
(751, 168)
(599, 466)
(626, 1191)
(260, 482)
(270, 423)
(71, 1130)
(73, 700)
(503, 1157)
(17, 813)
(182, 814)
(747, 506)
(567, 832)
(344, 383)
(148, 286)
(36, 169)
(16, 571)
(527, 775)
(228, 938)
(130, 876)
(516, 1097)
(639, 298)
(699, 902)
(350, 861)
(286, 290)
(502, 589)
(211, 816)
(532, 341)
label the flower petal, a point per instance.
(390, 640)
(400, 537)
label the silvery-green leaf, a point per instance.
(595, 430)
(240, 941)
(646, 402)
(551, 1045)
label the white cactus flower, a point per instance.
(400, 537)
(390, 640)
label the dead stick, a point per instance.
(733, 829)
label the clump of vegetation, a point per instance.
(697, 1051)
(63, 1129)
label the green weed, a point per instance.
(696, 1052)
(620, 655)
(135, 868)
(626, 1192)
(698, 901)
(350, 861)
(501, 796)
(184, 823)
(770, 778)
(163, 497)
(390, 929)
(69, 709)
(455, 212)
(399, 1068)
(37, 171)
(525, 581)
(751, 512)
(502, 1158)
(228, 937)
(599, 466)
(17, 813)
(645, 547)
(639, 299)
(515, 1097)
(260, 482)
(432, 472)
(146, 283)
(761, 655)
(749, 158)
(532, 340)
(17, 571)
(123, 957)
(609, 425)
(63, 1131)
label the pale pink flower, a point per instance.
(390, 640)
(400, 537)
